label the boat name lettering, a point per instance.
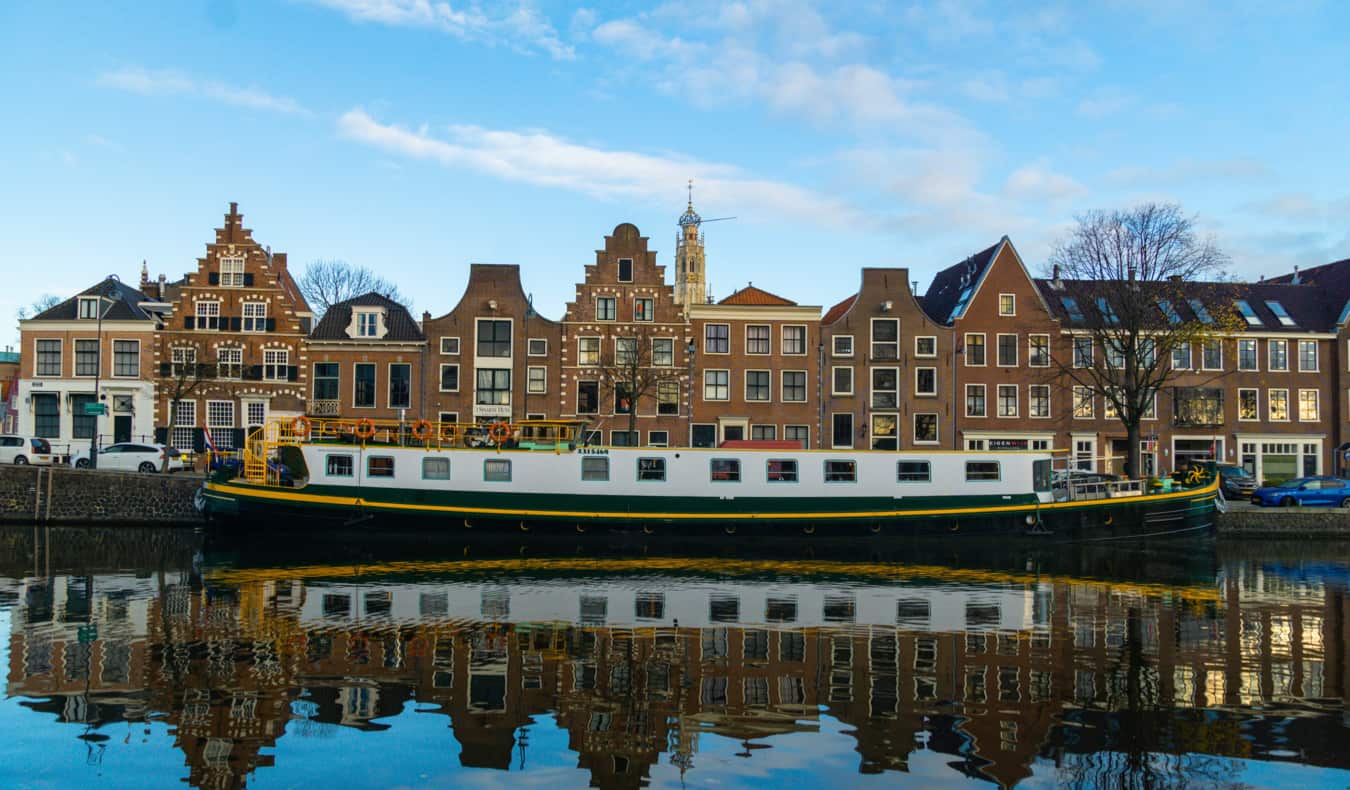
(594, 451)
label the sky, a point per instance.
(417, 136)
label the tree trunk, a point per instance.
(1132, 450)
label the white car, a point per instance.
(20, 450)
(133, 457)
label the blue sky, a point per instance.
(418, 136)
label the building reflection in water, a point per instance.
(994, 671)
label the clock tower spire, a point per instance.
(690, 279)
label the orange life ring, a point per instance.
(499, 432)
(421, 430)
(365, 428)
(300, 427)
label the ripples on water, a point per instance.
(154, 657)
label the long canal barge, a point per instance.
(543, 475)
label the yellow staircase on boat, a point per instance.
(262, 445)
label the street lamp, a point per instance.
(689, 390)
(98, 368)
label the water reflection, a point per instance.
(658, 669)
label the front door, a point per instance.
(122, 428)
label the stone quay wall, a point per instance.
(1322, 522)
(59, 494)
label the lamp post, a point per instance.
(689, 391)
(98, 373)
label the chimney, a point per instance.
(279, 260)
(145, 276)
(913, 286)
(1055, 272)
(1296, 279)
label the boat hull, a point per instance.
(1177, 513)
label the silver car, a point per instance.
(22, 450)
(133, 457)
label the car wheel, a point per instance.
(83, 463)
(1345, 502)
(146, 467)
(19, 460)
(1287, 502)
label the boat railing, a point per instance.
(555, 435)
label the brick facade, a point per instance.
(366, 359)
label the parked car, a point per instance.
(1236, 482)
(25, 450)
(133, 457)
(1325, 491)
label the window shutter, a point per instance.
(253, 373)
(235, 323)
(237, 438)
(161, 435)
(188, 321)
(198, 440)
(293, 373)
(271, 325)
(213, 278)
(224, 324)
(248, 279)
(165, 369)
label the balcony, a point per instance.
(324, 408)
(1197, 407)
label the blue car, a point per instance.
(1306, 491)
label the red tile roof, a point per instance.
(751, 295)
(837, 312)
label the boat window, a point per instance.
(497, 470)
(912, 612)
(840, 608)
(595, 468)
(380, 466)
(724, 608)
(782, 470)
(435, 468)
(1041, 476)
(913, 472)
(339, 466)
(981, 470)
(652, 470)
(780, 610)
(726, 470)
(841, 471)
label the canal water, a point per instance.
(156, 658)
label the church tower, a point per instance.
(690, 281)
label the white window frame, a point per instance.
(581, 353)
(768, 378)
(1257, 395)
(768, 345)
(1009, 313)
(1203, 362)
(833, 381)
(450, 346)
(914, 427)
(1016, 400)
(253, 323)
(872, 341)
(211, 311)
(651, 309)
(88, 315)
(184, 419)
(710, 325)
(181, 356)
(618, 270)
(113, 345)
(440, 378)
(965, 400)
(984, 345)
(1031, 356)
(836, 351)
(282, 354)
(1017, 351)
(918, 393)
(214, 409)
(1270, 405)
(60, 358)
(669, 340)
(783, 389)
(783, 339)
(1091, 402)
(1049, 402)
(921, 355)
(1256, 355)
(1091, 351)
(529, 347)
(1317, 357)
(231, 269)
(1316, 403)
(237, 362)
(614, 308)
(1271, 345)
(530, 382)
(727, 372)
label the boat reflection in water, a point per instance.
(622, 672)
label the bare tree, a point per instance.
(180, 380)
(1137, 285)
(40, 305)
(325, 283)
(637, 366)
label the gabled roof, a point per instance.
(953, 287)
(1304, 304)
(125, 304)
(750, 295)
(837, 312)
(402, 327)
(1333, 280)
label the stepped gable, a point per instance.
(125, 306)
(750, 295)
(402, 327)
(838, 311)
(943, 302)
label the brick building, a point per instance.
(9, 389)
(366, 357)
(232, 355)
(492, 357)
(756, 369)
(886, 369)
(64, 358)
(625, 317)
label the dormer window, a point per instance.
(625, 270)
(367, 324)
(232, 272)
(89, 307)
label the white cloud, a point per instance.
(521, 27)
(1105, 102)
(1190, 171)
(1034, 182)
(542, 159)
(146, 82)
